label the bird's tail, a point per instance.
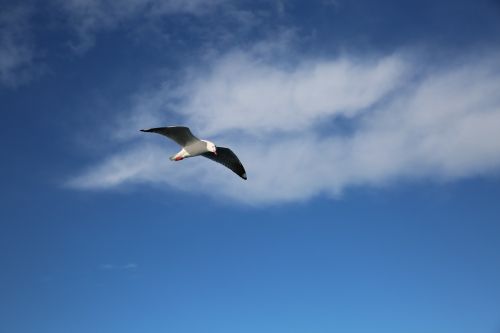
(176, 157)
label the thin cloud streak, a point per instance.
(113, 267)
(16, 46)
(443, 126)
(88, 17)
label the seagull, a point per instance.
(192, 146)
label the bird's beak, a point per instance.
(215, 152)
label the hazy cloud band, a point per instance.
(404, 124)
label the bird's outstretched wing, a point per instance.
(226, 157)
(180, 134)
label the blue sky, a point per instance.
(370, 135)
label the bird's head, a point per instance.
(211, 147)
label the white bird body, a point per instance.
(194, 149)
(191, 146)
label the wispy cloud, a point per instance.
(114, 267)
(404, 122)
(88, 17)
(16, 46)
(259, 97)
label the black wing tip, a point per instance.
(162, 128)
(244, 176)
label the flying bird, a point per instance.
(192, 146)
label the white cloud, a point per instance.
(88, 17)
(253, 96)
(445, 125)
(16, 47)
